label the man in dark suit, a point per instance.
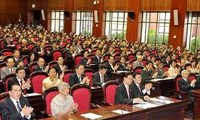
(100, 77)
(60, 67)
(79, 76)
(124, 93)
(41, 65)
(16, 107)
(110, 65)
(139, 90)
(148, 73)
(20, 80)
(122, 65)
(185, 85)
(97, 58)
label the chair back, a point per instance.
(56, 54)
(48, 96)
(6, 79)
(67, 75)
(18, 45)
(109, 90)
(25, 60)
(32, 66)
(165, 67)
(106, 57)
(177, 79)
(192, 76)
(89, 73)
(138, 69)
(1, 44)
(81, 94)
(37, 79)
(144, 61)
(77, 59)
(7, 52)
(130, 57)
(30, 46)
(52, 64)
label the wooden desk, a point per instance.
(36, 102)
(196, 94)
(173, 111)
(164, 87)
(97, 95)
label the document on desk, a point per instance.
(120, 111)
(91, 116)
(31, 94)
(155, 80)
(161, 99)
(145, 105)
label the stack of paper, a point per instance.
(145, 105)
(91, 116)
(161, 100)
(120, 111)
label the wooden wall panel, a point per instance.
(83, 5)
(39, 4)
(11, 11)
(115, 5)
(193, 5)
(176, 33)
(155, 5)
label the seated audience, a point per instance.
(20, 80)
(161, 72)
(85, 60)
(9, 69)
(79, 76)
(100, 77)
(16, 107)
(122, 65)
(138, 62)
(124, 93)
(110, 65)
(52, 80)
(16, 56)
(63, 103)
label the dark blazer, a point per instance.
(57, 67)
(122, 68)
(14, 80)
(121, 96)
(37, 68)
(185, 86)
(160, 74)
(84, 61)
(109, 68)
(73, 79)
(136, 92)
(97, 80)
(95, 60)
(9, 111)
(146, 75)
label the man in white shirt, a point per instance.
(16, 107)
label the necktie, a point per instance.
(80, 79)
(102, 79)
(19, 109)
(127, 90)
(139, 88)
(11, 71)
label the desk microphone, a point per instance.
(125, 106)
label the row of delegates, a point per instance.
(130, 92)
(63, 103)
(16, 107)
(9, 69)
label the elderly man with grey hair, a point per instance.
(63, 103)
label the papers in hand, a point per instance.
(122, 71)
(91, 116)
(145, 105)
(119, 111)
(31, 94)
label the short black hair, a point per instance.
(19, 68)
(102, 66)
(11, 84)
(77, 66)
(135, 74)
(127, 74)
